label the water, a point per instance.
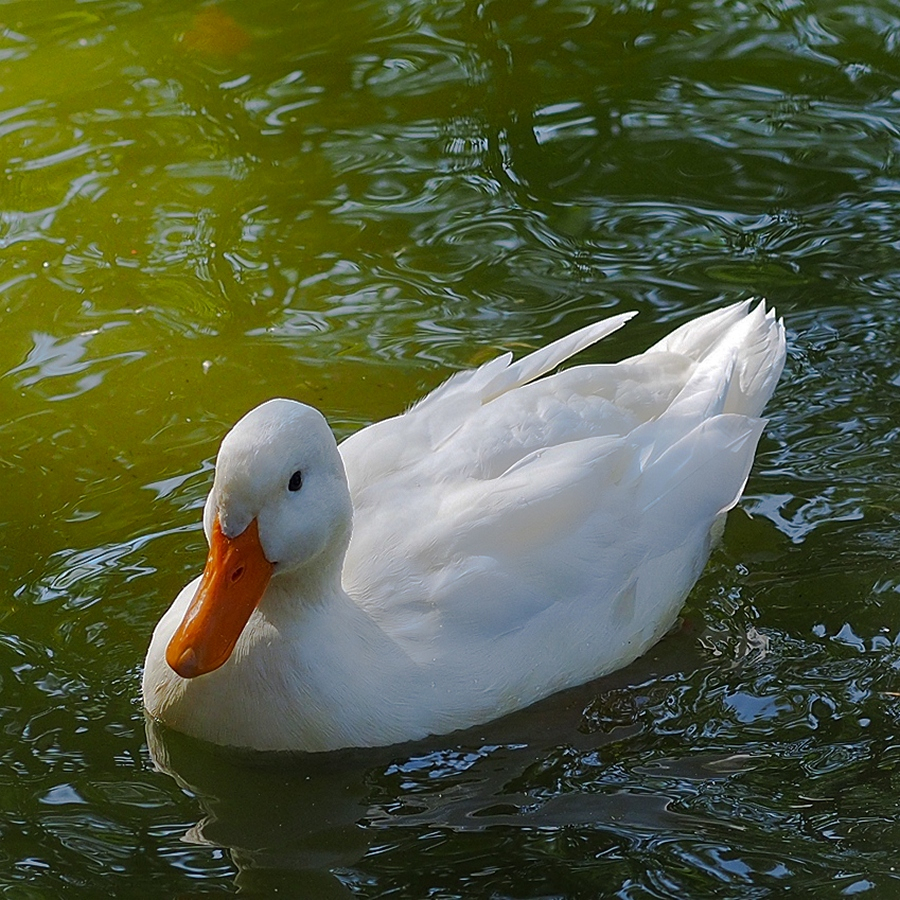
(205, 206)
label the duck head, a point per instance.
(279, 509)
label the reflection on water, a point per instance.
(208, 204)
(298, 818)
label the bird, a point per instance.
(522, 529)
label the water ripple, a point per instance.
(346, 205)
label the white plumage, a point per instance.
(512, 535)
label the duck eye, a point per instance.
(296, 481)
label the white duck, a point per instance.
(505, 538)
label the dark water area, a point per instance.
(206, 205)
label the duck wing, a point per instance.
(560, 518)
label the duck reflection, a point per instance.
(306, 821)
(275, 813)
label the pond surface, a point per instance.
(203, 206)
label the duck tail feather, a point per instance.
(548, 358)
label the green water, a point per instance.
(203, 207)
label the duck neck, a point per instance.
(330, 662)
(306, 587)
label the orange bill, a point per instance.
(233, 582)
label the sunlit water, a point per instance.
(205, 206)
